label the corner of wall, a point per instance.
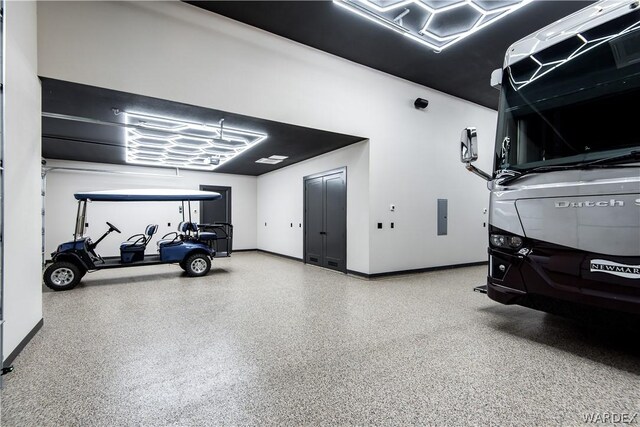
(21, 272)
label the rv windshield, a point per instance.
(574, 102)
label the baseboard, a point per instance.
(9, 360)
(415, 271)
(376, 275)
(359, 274)
(280, 255)
(242, 250)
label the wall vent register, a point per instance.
(169, 142)
(436, 24)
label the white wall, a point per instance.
(281, 197)
(21, 193)
(176, 51)
(132, 218)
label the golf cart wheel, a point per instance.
(183, 265)
(197, 265)
(62, 276)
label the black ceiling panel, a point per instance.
(462, 70)
(93, 142)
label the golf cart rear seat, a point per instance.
(207, 236)
(201, 235)
(133, 249)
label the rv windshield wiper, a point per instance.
(600, 163)
(631, 155)
(505, 176)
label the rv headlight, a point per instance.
(503, 241)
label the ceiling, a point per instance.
(462, 70)
(96, 137)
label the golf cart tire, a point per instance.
(197, 265)
(57, 276)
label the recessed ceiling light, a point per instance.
(268, 161)
(275, 157)
(176, 143)
(435, 24)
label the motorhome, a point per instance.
(565, 186)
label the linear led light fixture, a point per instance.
(176, 143)
(392, 16)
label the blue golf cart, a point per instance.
(191, 246)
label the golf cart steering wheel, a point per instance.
(113, 227)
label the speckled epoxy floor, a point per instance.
(265, 340)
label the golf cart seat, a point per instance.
(193, 232)
(133, 249)
(207, 236)
(175, 237)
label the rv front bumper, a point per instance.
(552, 275)
(504, 280)
(504, 294)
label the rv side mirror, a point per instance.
(496, 79)
(468, 145)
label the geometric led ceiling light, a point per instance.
(167, 142)
(535, 65)
(437, 24)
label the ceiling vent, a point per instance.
(268, 161)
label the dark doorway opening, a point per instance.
(325, 219)
(216, 211)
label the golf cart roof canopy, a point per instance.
(147, 195)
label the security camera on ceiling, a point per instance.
(421, 103)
